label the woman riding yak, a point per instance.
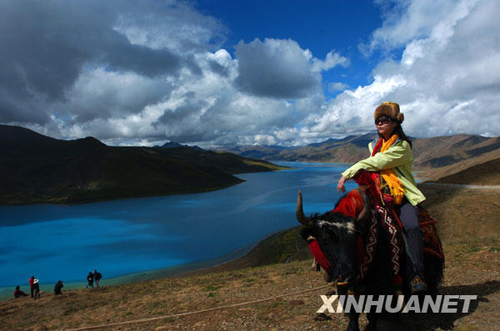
(391, 157)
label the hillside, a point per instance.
(275, 288)
(35, 168)
(487, 173)
(442, 156)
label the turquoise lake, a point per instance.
(121, 237)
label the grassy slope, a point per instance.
(487, 173)
(468, 222)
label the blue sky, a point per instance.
(215, 73)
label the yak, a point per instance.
(341, 240)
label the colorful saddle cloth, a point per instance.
(432, 243)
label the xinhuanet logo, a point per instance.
(396, 303)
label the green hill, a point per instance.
(38, 169)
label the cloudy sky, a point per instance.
(217, 72)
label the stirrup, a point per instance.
(418, 284)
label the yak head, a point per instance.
(336, 235)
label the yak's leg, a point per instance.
(353, 322)
(372, 321)
(353, 315)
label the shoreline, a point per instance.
(64, 201)
(238, 259)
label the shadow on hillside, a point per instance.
(438, 194)
(441, 321)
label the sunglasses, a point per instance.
(382, 120)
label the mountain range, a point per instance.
(38, 169)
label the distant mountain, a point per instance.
(256, 152)
(442, 156)
(444, 151)
(171, 144)
(434, 157)
(345, 150)
(36, 169)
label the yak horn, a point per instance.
(300, 212)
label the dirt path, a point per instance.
(464, 186)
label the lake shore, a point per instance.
(247, 256)
(64, 201)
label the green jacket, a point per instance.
(399, 158)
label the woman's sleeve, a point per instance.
(397, 155)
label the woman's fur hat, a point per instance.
(389, 109)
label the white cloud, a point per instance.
(331, 61)
(183, 29)
(447, 80)
(279, 68)
(105, 94)
(337, 86)
(407, 21)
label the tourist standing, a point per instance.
(97, 278)
(36, 289)
(31, 280)
(58, 287)
(90, 280)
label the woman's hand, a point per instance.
(340, 185)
